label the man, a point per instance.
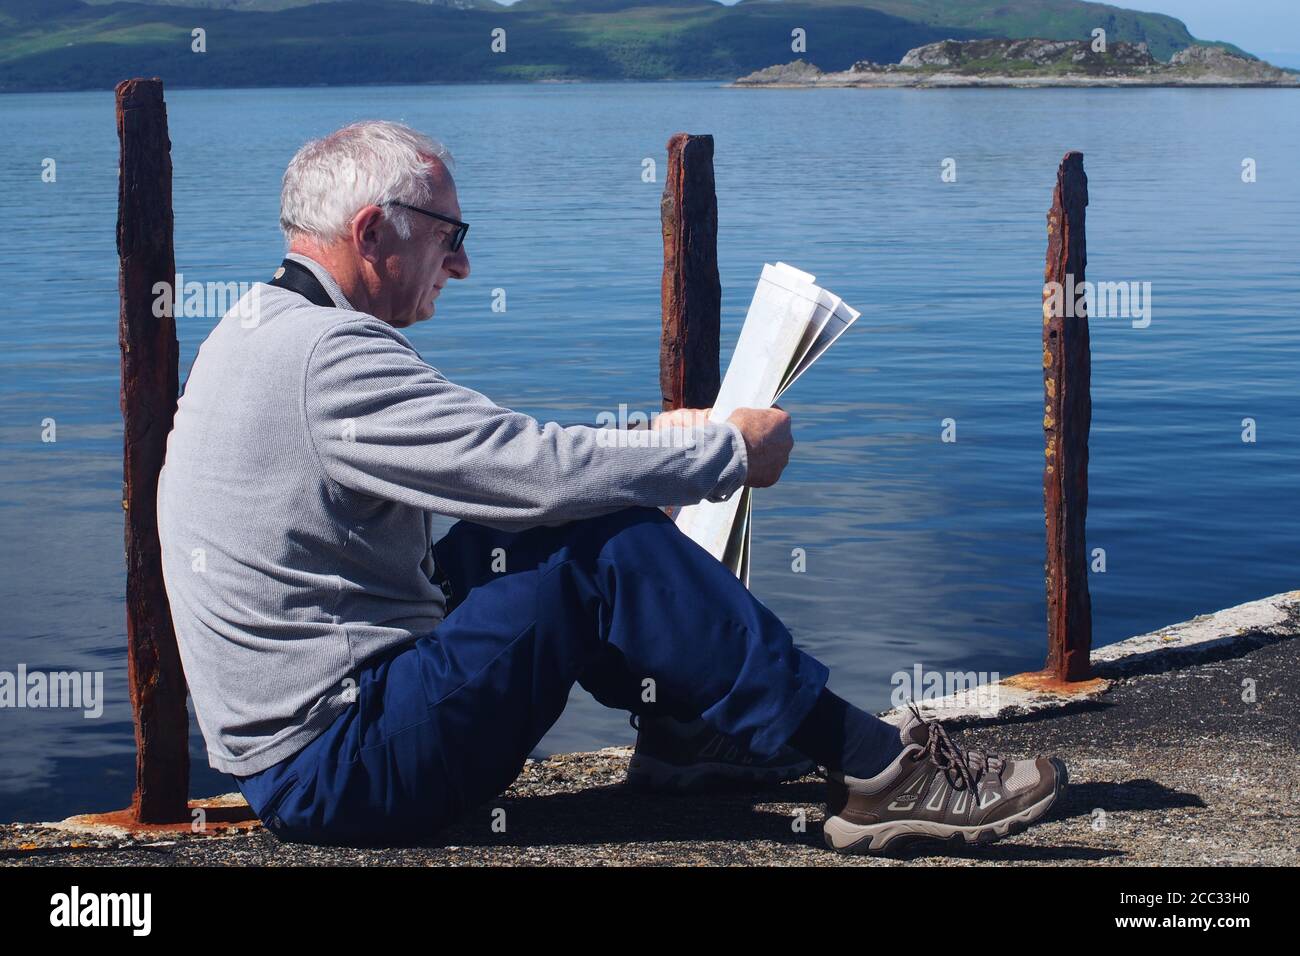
(368, 685)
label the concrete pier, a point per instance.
(1188, 753)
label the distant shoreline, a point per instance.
(1035, 63)
(955, 82)
(218, 44)
(352, 85)
(716, 82)
(946, 64)
(189, 88)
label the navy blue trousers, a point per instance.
(624, 605)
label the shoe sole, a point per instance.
(647, 773)
(895, 835)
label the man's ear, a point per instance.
(367, 232)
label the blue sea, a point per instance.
(919, 551)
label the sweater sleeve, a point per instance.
(385, 423)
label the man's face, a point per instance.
(417, 268)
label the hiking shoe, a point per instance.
(935, 791)
(690, 757)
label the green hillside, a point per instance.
(66, 44)
(1049, 19)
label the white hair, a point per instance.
(366, 163)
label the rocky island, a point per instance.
(1033, 63)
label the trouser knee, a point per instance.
(631, 533)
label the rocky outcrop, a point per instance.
(1036, 62)
(1205, 56)
(1214, 61)
(982, 54)
(794, 72)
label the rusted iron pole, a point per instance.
(150, 383)
(691, 292)
(1067, 416)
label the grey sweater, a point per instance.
(310, 449)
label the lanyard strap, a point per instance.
(296, 277)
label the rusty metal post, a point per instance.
(691, 292)
(1067, 416)
(150, 383)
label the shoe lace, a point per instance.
(970, 766)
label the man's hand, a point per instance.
(767, 437)
(767, 440)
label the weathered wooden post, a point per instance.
(1067, 416)
(691, 292)
(150, 383)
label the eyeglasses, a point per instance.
(461, 227)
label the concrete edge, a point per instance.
(1276, 617)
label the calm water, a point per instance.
(918, 551)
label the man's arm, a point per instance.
(387, 424)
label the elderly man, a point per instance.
(366, 684)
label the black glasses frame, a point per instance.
(461, 227)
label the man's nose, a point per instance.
(457, 264)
